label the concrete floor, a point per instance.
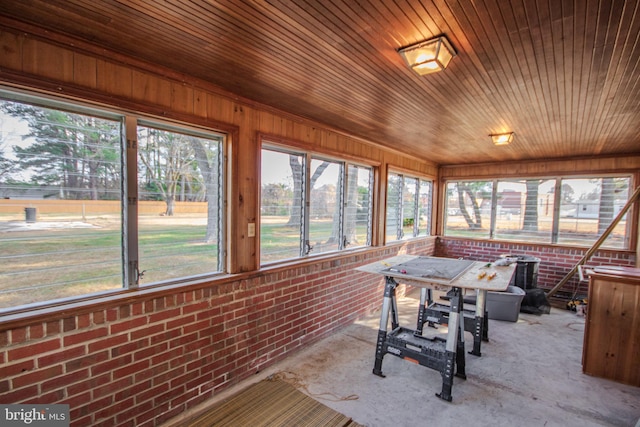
(530, 374)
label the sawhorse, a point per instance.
(444, 355)
(474, 321)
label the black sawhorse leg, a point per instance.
(481, 332)
(454, 354)
(475, 323)
(389, 304)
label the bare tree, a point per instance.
(465, 189)
(208, 163)
(296, 165)
(176, 159)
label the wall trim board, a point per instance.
(545, 168)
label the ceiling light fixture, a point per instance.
(502, 138)
(428, 56)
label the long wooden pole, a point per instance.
(596, 245)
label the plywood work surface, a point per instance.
(437, 272)
(432, 268)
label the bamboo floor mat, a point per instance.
(271, 403)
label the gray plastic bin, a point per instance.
(503, 305)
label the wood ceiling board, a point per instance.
(563, 75)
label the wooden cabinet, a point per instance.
(612, 334)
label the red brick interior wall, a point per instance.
(555, 262)
(143, 360)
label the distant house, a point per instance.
(510, 202)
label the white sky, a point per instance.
(276, 170)
(11, 132)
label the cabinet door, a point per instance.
(612, 335)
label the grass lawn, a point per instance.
(49, 262)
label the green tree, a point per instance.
(7, 166)
(180, 167)
(275, 199)
(74, 152)
(167, 157)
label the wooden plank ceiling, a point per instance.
(562, 74)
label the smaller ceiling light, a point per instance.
(502, 138)
(428, 56)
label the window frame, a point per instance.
(221, 186)
(308, 156)
(129, 122)
(416, 206)
(554, 233)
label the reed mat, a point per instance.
(273, 403)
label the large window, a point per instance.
(524, 210)
(571, 211)
(408, 207)
(312, 205)
(93, 202)
(180, 193)
(468, 209)
(587, 208)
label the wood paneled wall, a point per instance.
(550, 168)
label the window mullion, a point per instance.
(222, 209)
(370, 210)
(399, 222)
(305, 245)
(557, 201)
(494, 207)
(416, 208)
(428, 209)
(130, 205)
(342, 205)
(400, 219)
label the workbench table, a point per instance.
(429, 273)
